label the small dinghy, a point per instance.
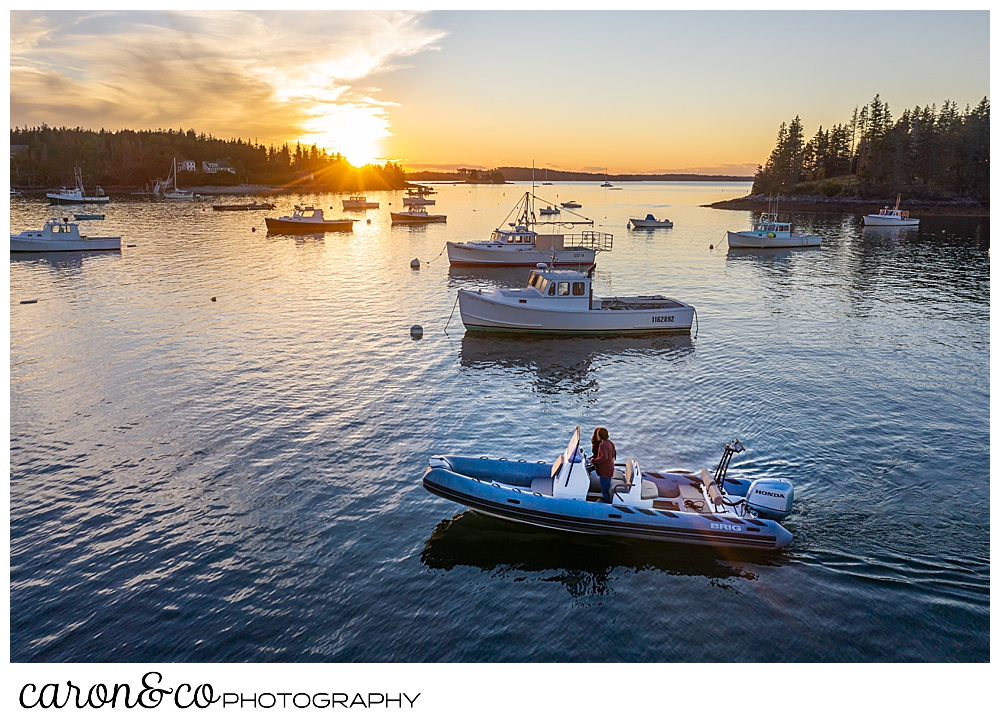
(692, 508)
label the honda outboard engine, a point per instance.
(771, 498)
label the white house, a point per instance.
(187, 166)
(216, 166)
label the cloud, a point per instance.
(275, 76)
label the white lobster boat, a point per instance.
(358, 203)
(650, 222)
(307, 219)
(891, 217)
(561, 301)
(61, 236)
(520, 245)
(417, 215)
(418, 201)
(76, 195)
(769, 233)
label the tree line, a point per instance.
(44, 157)
(925, 153)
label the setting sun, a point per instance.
(355, 131)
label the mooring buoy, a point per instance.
(213, 298)
(415, 264)
(416, 331)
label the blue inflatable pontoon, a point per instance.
(683, 507)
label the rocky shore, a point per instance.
(825, 204)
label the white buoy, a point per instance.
(415, 264)
(416, 331)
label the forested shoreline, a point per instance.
(44, 157)
(926, 154)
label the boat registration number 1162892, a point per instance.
(662, 319)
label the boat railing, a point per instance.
(597, 240)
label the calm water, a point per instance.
(239, 480)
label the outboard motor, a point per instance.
(771, 498)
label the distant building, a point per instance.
(14, 150)
(216, 167)
(187, 166)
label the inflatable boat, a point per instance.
(686, 507)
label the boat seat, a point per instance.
(648, 490)
(664, 487)
(622, 481)
(542, 485)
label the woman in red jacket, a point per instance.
(604, 460)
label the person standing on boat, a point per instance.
(604, 460)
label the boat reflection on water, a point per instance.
(883, 234)
(64, 260)
(586, 564)
(563, 364)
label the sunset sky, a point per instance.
(649, 91)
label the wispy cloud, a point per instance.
(271, 75)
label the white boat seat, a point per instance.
(624, 482)
(648, 491)
(542, 485)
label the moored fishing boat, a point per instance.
(306, 219)
(62, 236)
(891, 217)
(650, 222)
(562, 301)
(687, 507)
(76, 195)
(417, 215)
(358, 203)
(519, 244)
(416, 197)
(770, 233)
